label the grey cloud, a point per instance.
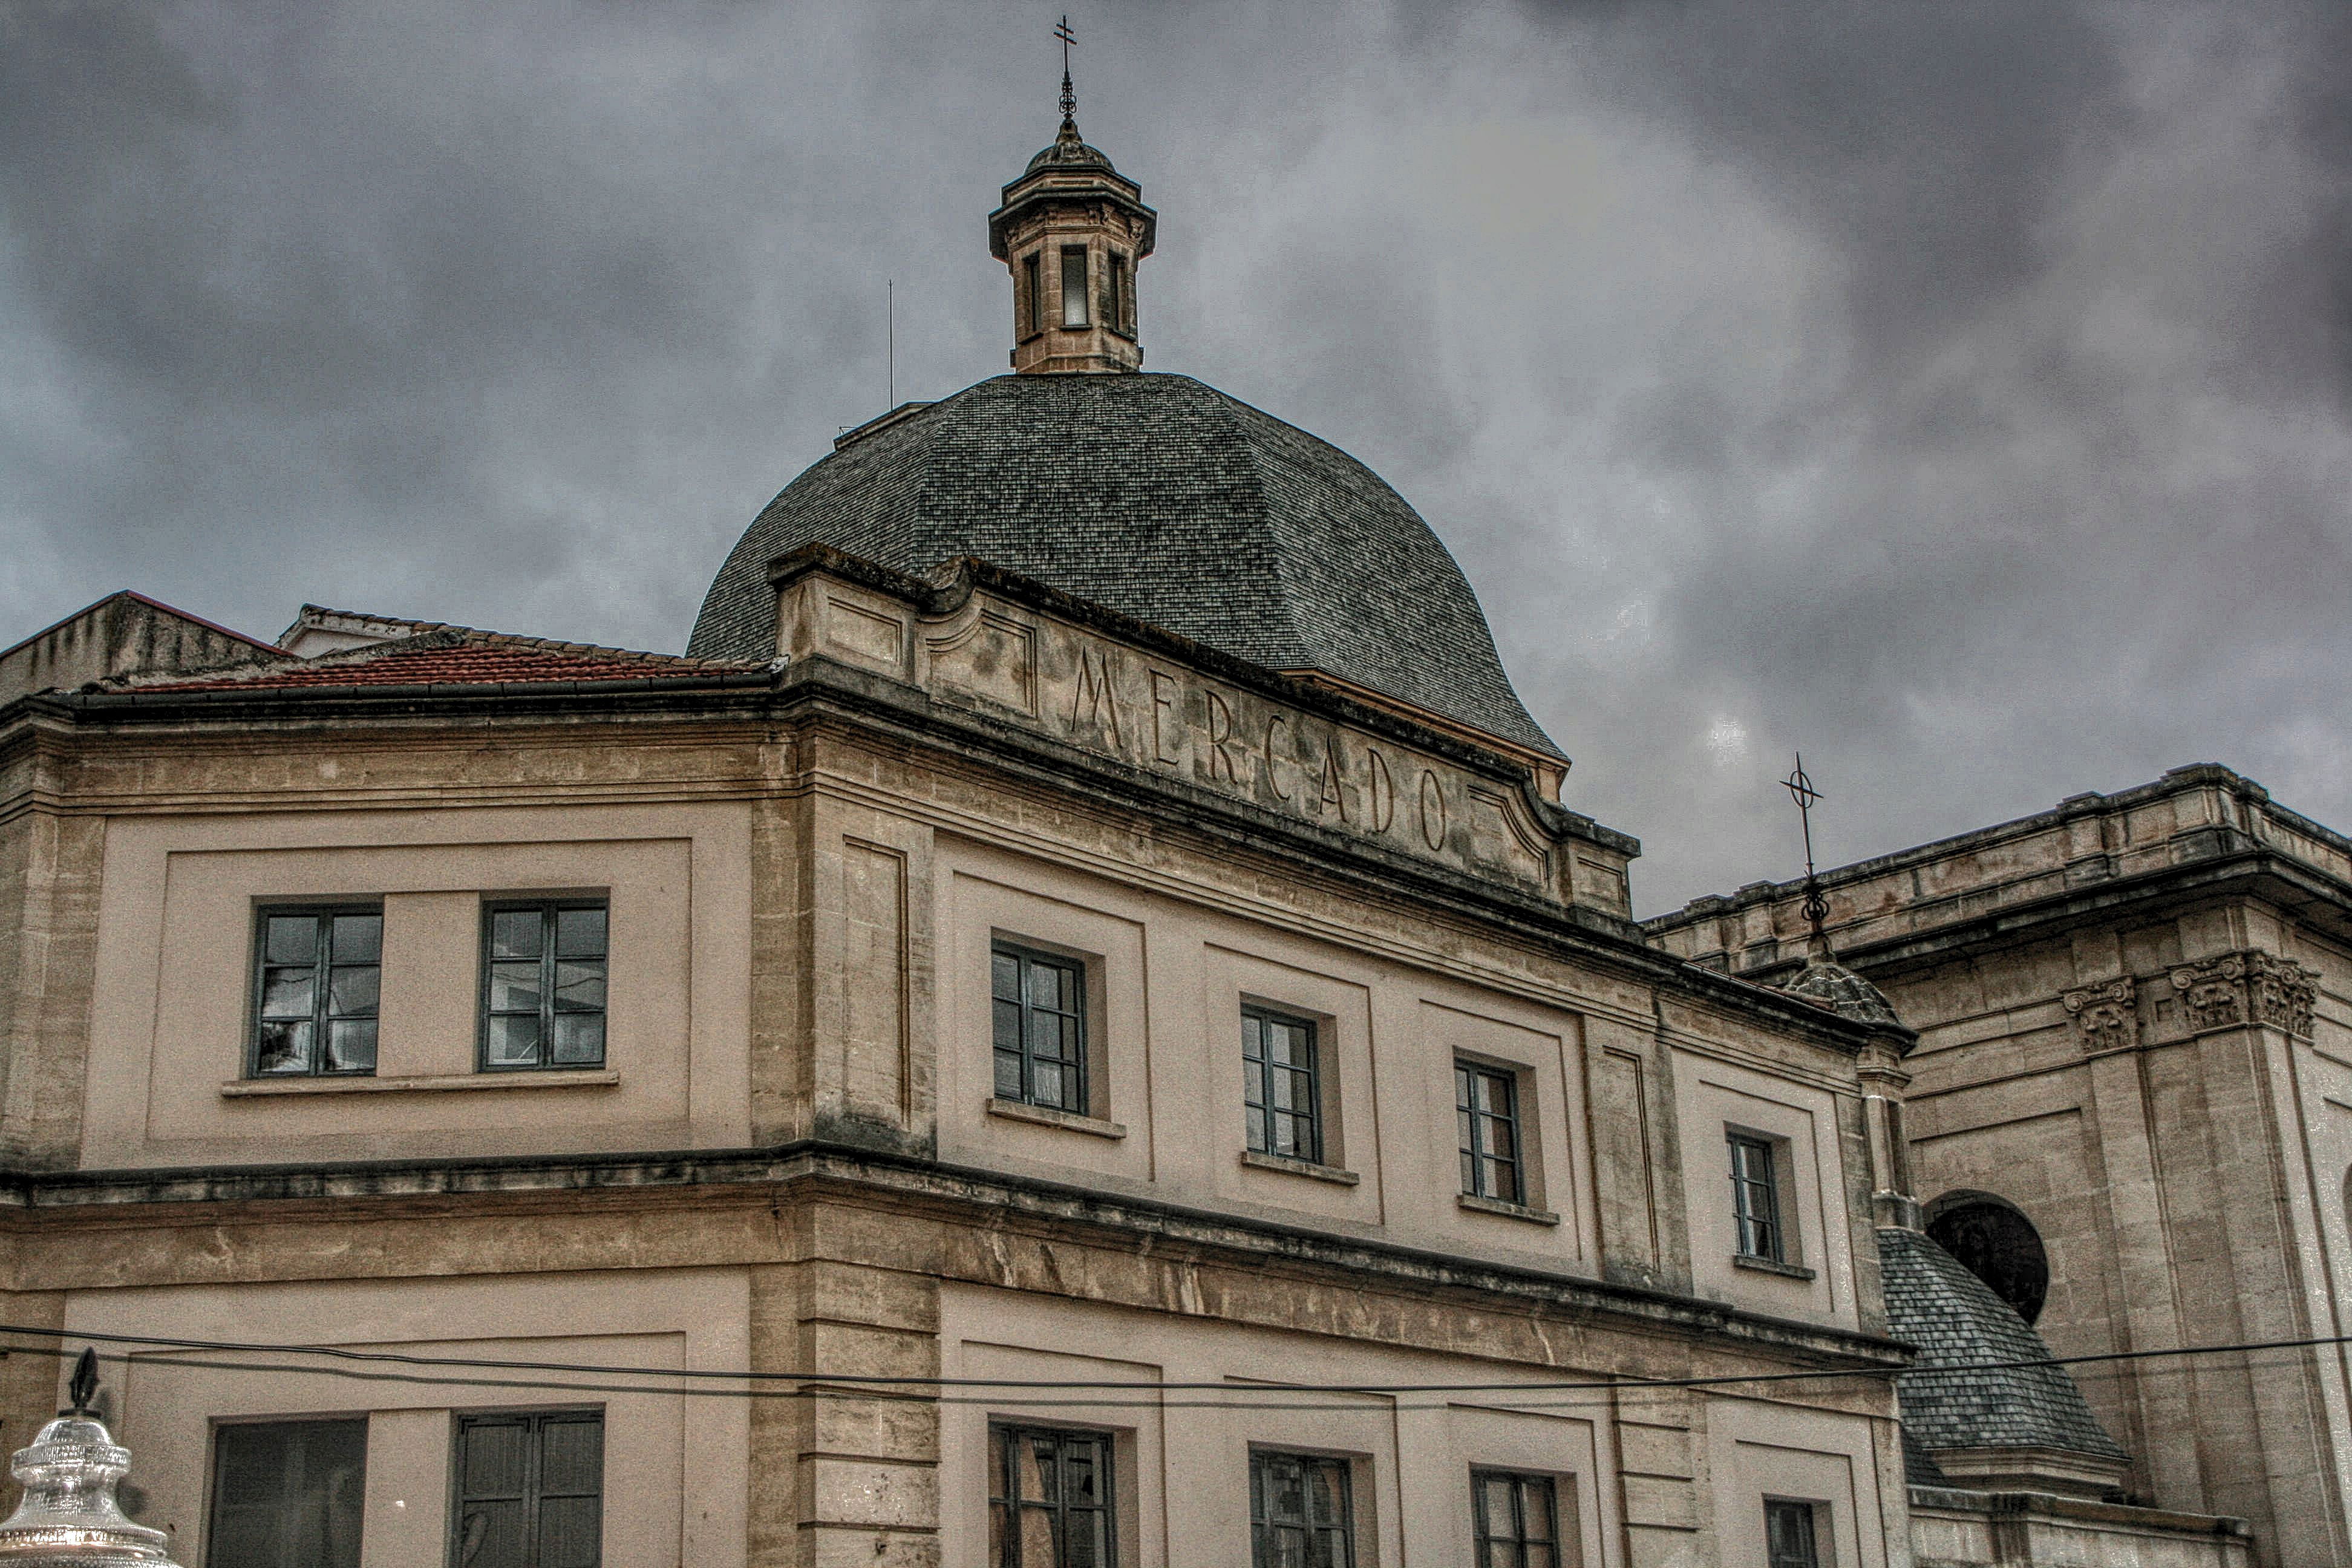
(1963, 393)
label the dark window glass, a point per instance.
(1301, 1513)
(1033, 296)
(2000, 1247)
(543, 971)
(1756, 1198)
(1116, 313)
(1486, 1114)
(530, 1491)
(287, 1494)
(1790, 1539)
(1515, 1521)
(1037, 1006)
(316, 975)
(1280, 1094)
(1073, 286)
(1049, 1499)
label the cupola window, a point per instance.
(1117, 308)
(1033, 296)
(1073, 286)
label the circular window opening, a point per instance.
(2000, 1247)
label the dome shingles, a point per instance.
(1166, 501)
(1955, 1321)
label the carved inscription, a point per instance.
(2107, 1013)
(1111, 698)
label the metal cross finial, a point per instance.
(1069, 98)
(1801, 789)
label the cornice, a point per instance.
(901, 1185)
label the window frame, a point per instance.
(1032, 294)
(1005, 1545)
(549, 909)
(1471, 1123)
(1259, 1081)
(536, 1420)
(1746, 1221)
(1810, 1510)
(214, 1501)
(1086, 281)
(1119, 294)
(323, 968)
(1076, 1068)
(1483, 1538)
(1262, 1526)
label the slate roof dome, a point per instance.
(1956, 1322)
(1165, 499)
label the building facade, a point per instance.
(1072, 1028)
(2131, 1110)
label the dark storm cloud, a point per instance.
(1962, 392)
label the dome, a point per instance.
(1067, 151)
(1163, 499)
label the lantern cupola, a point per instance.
(1072, 229)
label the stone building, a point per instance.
(2131, 1110)
(1072, 1027)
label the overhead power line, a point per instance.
(703, 1383)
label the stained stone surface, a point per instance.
(1164, 499)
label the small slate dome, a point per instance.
(1165, 499)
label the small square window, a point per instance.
(1038, 1005)
(1792, 1533)
(1515, 1521)
(530, 1489)
(1282, 1090)
(1486, 1116)
(289, 1494)
(1302, 1511)
(544, 969)
(1756, 1197)
(1050, 1498)
(318, 973)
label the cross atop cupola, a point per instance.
(1072, 229)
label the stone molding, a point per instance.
(2107, 1013)
(2247, 986)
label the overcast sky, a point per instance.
(1960, 392)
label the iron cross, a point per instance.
(1800, 785)
(1069, 98)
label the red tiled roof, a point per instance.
(468, 664)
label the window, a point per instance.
(1279, 1087)
(1073, 286)
(1756, 1198)
(1049, 1499)
(543, 985)
(287, 1494)
(1789, 1537)
(1998, 1245)
(1487, 1113)
(317, 974)
(1119, 309)
(1033, 296)
(530, 1491)
(1038, 1004)
(1301, 1513)
(1515, 1521)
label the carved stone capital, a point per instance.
(2247, 986)
(2107, 1013)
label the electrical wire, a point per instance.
(697, 1382)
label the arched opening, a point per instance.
(1994, 1241)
